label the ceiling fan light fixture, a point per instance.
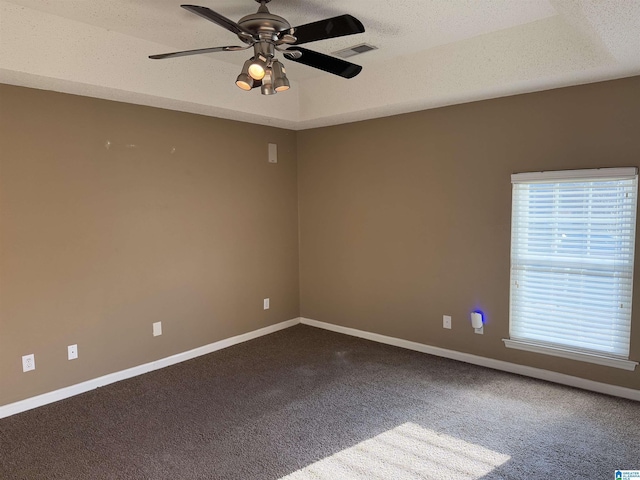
(244, 80)
(280, 80)
(267, 84)
(268, 33)
(282, 85)
(258, 67)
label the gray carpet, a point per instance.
(305, 403)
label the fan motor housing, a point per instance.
(264, 22)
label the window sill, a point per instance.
(560, 352)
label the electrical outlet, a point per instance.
(265, 304)
(446, 321)
(157, 329)
(28, 362)
(72, 352)
(479, 331)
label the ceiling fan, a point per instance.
(266, 33)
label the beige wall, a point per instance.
(115, 216)
(407, 218)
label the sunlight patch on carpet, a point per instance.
(408, 451)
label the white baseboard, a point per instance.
(560, 378)
(54, 396)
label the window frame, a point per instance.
(551, 348)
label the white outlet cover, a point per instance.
(157, 329)
(266, 304)
(446, 321)
(28, 362)
(72, 352)
(479, 331)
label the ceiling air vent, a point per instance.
(355, 50)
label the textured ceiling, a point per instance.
(430, 53)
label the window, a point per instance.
(572, 248)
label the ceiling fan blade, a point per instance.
(324, 62)
(184, 53)
(329, 28)
(218, 19)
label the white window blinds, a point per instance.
(572, 248)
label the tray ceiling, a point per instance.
(429, 53)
